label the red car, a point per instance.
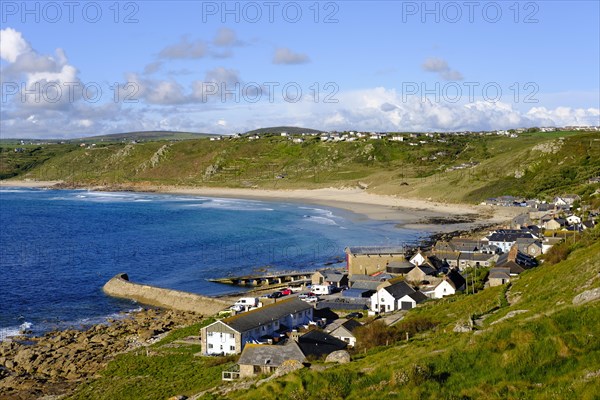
(285, 292)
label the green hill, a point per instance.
(143, 136)
(444, 167)
(292, 130)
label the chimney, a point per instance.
(295, 335)
(512, 254)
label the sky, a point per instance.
(74, 69)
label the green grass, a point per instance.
(160, 371)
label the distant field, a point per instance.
(450, 168)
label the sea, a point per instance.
(59, 247)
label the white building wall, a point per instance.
(220, 342)
(443, 289)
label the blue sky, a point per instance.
(383, 66)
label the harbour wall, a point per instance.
(120, 286)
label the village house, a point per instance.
(505, 238)
(230, 335)
(367, 260)
(476, 260)
(499, 276)
(344, 331)
(515, 261)
(417, 259)
(421, 273)
(259, 359)
(531, 247)
(330, 277)
(316, 343)
(555, 224)
(452, 283)
(398, 296)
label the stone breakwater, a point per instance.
(57, 362)
(120, 286)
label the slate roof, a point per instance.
(455, 279)
(499, 273)
(508, 236)
(399, 290)
(266, 314)
(477, 256)
(319, 343)
(399, 267)
(418, 296)
(273, 355)
(376, 250)
(331, 275)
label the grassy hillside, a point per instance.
(535, 164)
(292, 130)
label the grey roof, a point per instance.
(418, 296)
(427, 269)
(376, 249)
(477, 256)
(264, 315)
(319, 343)
(499, 273)
(399, 289)
(332, 275)
(508, 235)
(274, 355)
(456, 279)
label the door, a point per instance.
(405, 305)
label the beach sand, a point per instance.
(408, 213)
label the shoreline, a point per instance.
(408, 213)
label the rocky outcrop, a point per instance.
(340, 357)
(119, 286)
(56, 362)
(587, 296)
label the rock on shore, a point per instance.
(58, 361)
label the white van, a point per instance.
(246, 303)
(322, 289)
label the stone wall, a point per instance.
(119, 286)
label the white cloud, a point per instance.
(441, 66)
(12, 44)
(283, 55)
(226, 37)
(184, 49)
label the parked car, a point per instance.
(286, 291)
(311, 299)
(354, 315)
(275, 295)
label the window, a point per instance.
(210, 346)
(210, 334)
(232, 348)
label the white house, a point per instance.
(452, 283)
(230, 335)
(399, 296)
(417, 259)
(573, 220)
(344, 331)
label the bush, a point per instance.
(372, 335)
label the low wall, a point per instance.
(119, 286)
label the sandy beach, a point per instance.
(419, 214)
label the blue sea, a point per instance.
(59, 247)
